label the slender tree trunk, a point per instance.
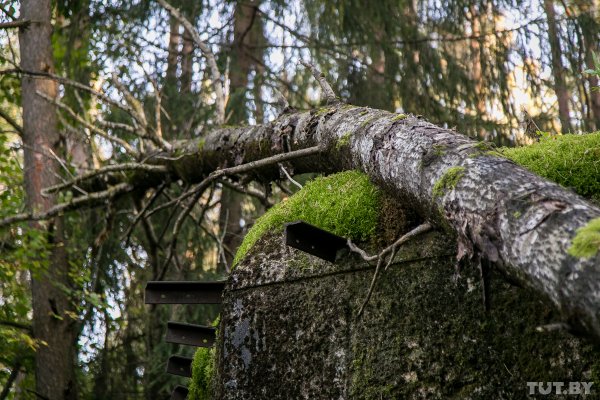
(476, 71)
(591, 46)
(54, 361)
(560, 86)
(187, 59)
(245, 16)
(173, 50)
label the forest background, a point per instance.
(506, 71)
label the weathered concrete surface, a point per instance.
(289, 331)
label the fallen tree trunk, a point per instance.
(519, 221)
(501, 212)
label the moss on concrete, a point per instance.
(570, 160)
(586, 242)
(345, 204)
(423, 335)
(202, 372)
(448, 181)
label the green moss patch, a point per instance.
(345, 204)
(586, 242)
(569, 160)
(448, 181)
(202, 372)
(203, 367)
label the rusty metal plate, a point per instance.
(179, 393)
(191, 335)
(184, 292)
(313, 240)
(178, 365)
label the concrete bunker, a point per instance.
(289, 327)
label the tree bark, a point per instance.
(54, 361)
(187, 58)
(173, 51)
(521, 222)
(499, 211)
(560, 86)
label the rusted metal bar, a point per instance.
(184, 292)
(188, 334)
(313, 240)
(178, 365)
(179, 393)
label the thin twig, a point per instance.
(281, 103)
(328, 92)
(291, 155)
(88, 125)
(288, 176)
(135, 107)
(89, 200)
(141, 213)
(69, 82)
(17, 325)
(20, 23)
(179, 223)
(105, 170)
(264, 199)
(11, 122)
(382, 255)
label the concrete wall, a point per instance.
(289, 330)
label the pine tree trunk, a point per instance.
(173, 50)
(591, 46)
(187, 58)
(54, 360)
(245, 16)
(560, 86)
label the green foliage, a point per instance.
(21, 248)
(345, 204)
(570, 160)
(587, 240)
(202, 371)
(448, 181)
(596, 70)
